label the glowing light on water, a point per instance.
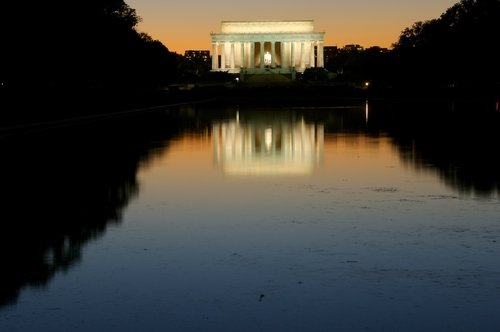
(268, 138)
(366, 111)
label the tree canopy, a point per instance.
(459, 47)
(91, 43)
(95, 44)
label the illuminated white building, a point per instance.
(254, 46)
(260, 147)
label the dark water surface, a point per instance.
(355, 216)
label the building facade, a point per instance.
(197, 55)
(257, 46)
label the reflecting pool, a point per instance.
(354, 216)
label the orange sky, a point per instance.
(185, 25)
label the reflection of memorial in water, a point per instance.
(267, 145)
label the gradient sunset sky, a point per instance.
(186, 25)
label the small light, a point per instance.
(367, 84)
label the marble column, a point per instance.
(282, 49)
(273, 54)
(242, 55)
(292, 61)
(261, 54)
(231, 56)
(321, 55)
(223, 56)
(252, 54)
(215, 57)
(311, 55)
(302, 55)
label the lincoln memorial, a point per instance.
(259, 46)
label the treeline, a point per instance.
(95, 45)
(89, 44)
(457, 50)
(460, 48)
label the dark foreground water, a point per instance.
(354, 216)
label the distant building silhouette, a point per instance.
(353, 47)
(197, 55)
(329, 53)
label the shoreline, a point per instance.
(25, 107)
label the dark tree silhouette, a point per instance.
(90, 44)
(456, 49)
(74, 193)
(352, 65)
